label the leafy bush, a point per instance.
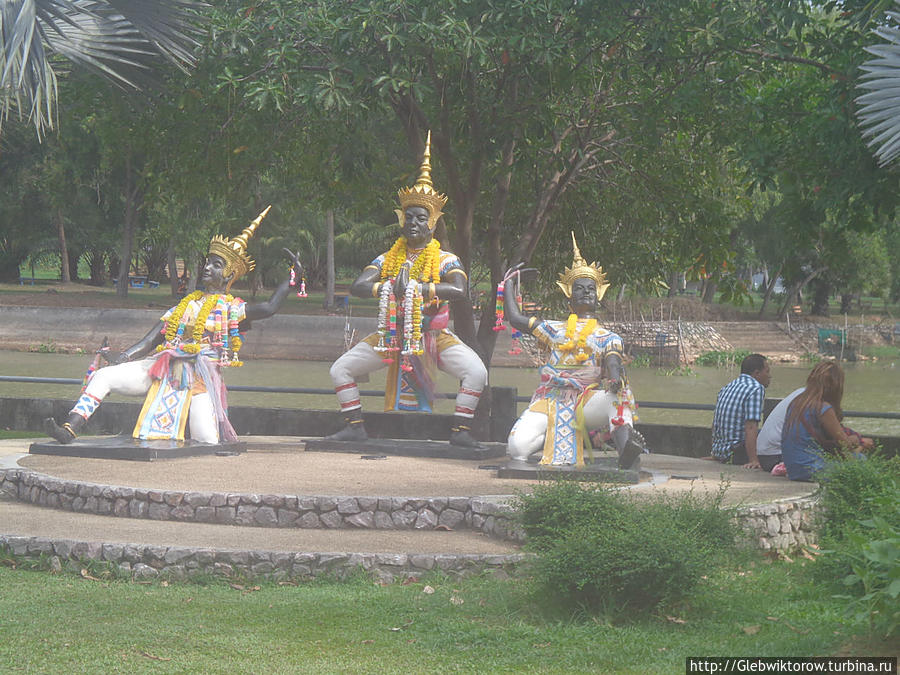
(876, 568)
(861, 536)
(722, 359)
(611, 551)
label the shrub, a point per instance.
(722, 358)
(861, 537)
(610, 551)
(876, 569)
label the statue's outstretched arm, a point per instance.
(143, 346)
(261, 310)
(511, 310)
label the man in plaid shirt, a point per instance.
(739, 411)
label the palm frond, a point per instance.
(115, 38)
(879, 111)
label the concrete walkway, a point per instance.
(279, 465)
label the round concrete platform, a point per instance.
(278, 465)
(279, 511)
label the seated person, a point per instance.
(177, 364)
(812, 427)
(739, 410)
(768, 442)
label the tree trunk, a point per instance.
(487, 336)
(192, 265)
(846, 302)
(770, 288)
(63, 249)
(795, 289)
(329, 260)
(709, 291)
(172, 264)
(821, 293)
(674, 283)
(129, 225)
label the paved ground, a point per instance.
(279, 465)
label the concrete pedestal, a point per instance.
(126, 447)
(408, 448)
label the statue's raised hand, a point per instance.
(295, 263)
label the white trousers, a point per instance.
(133, 379)
(528, 433)
(458, 360)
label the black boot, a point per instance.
(630, 445)
(66, 433)
(460, 436)
(355, 429)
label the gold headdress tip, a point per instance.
(234, 251)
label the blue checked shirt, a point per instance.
(738, 401)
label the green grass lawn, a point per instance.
(64, 623)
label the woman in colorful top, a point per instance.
(176, 365)
(583, 385)
(414, 281)
(812, 427)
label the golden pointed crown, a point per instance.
(580, 269)
(234, 251)
(423, 193)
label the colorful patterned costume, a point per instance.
(175, 381)
(413, 390)
(569, 403)
(176, 366)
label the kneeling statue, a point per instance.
(583, 385)
(177, 364)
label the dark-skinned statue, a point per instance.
(583, 385)
(177, 364)
(415, 281)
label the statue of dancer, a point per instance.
(414, 281)
(177, 364)
(583, 385)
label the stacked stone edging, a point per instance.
(492, 517)
(780, 526)
(783, 525)
(175, 562)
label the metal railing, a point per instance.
(374, 392)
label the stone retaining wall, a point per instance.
(493, 518)
(174, 562)
(780, 526)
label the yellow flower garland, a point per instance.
(175, 317)
(174, 321)
(578, 344)
(428, 262)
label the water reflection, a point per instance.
(869, 386)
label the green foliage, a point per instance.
(722, 359)
(610, 552)
(861, 536)
(641, 361)
(679, 371)
(473, 625)
(876, 567)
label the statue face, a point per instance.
(415, 226)
(213, 274)
(584, 294)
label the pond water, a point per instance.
(871, 387)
